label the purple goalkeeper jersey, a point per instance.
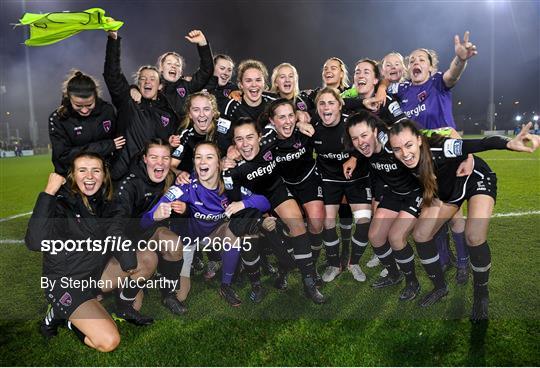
(207, 206)
(429, 104)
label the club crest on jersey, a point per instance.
(78, 130)
(181, 91)
(106, 125)
(421, 96)
(297, 145)
(66, 299)
(301, 106)
(164, 121)
(224, 203)
(226, 92)
(267, 156)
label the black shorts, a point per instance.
(308, 190)
(410, 203)
(377, 188)
(355, 191)
(481, 181)
(278, 195)
(65, 301)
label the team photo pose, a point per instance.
(257, 172)
(209, 209)
(434, 161)
(284, 84)
(397, 197)
(139, 122)
(327, 138)
(427, 99)
(147, 181)
(295, 164)
(69, 210)
(171, 67)
(83, 122)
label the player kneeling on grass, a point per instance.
(207, 226)
(434, 161)
(68, 210)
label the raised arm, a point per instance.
(206, 64)
(464, 51)
(115, 80)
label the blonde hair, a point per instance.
(187, 122)
(275, 74)
(405, 74)
(333, 91)
(432, 57)
(344, 81)
(252, 64)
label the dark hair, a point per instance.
(221, 184)
(106, 188)
(270, 110)
(76, 84)
(224, 57)
(426, 171)
(245, 121)
(169, 180)
(373, 63)
(364, 116)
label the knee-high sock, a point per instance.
(405, 259)
(302, 254)
(331, 245)
(345, 227)
(359, 242)
(230, 261)
(316, 241)
(170, 271)
(279, 248)
(441, 240)
(251, 261)
(462, 255)
(386, 256)
(480, 265)
(427, 252)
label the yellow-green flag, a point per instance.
(46, 29)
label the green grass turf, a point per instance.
(359, 326)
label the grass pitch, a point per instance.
(359, 326)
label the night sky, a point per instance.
(304, 33)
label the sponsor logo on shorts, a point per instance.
(66, 299)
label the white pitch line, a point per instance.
(15, 216)
(509, 214)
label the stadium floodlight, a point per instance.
(518, 118)
(535, 117)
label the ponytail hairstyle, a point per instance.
(275, 75)
(362, 117)
(431, 55)
(425, 168)
(169, 180)
(187, 122)
(252, 64)
(221, 184)
(334, 92)
(270, 110)
(106, 187)
(344, 81)
(76, 84)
